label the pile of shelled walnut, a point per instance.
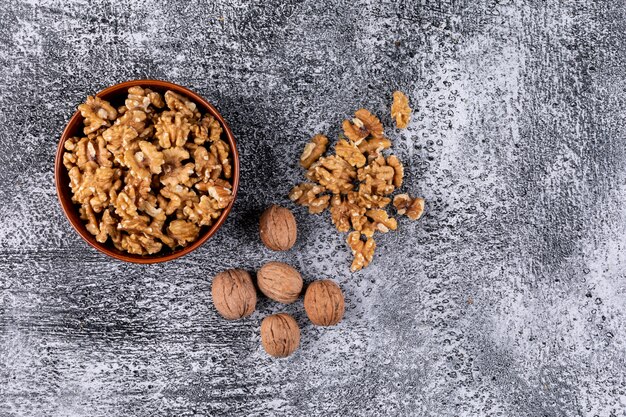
(357, 181)
(150, 173)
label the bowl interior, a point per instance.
(116, 95)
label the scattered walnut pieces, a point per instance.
(142, 175)
(357, 180)
(400, 110)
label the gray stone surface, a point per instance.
(508, 298)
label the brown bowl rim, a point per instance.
(68, 207)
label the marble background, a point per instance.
(506, 299)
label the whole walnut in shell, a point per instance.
(234, 295)
(278, 228)
(280, 335)
(324, 303)
(280, 282)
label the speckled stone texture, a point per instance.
(506, 299)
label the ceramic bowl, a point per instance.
(116, 95)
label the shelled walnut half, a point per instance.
(413, 208)
(400, 110)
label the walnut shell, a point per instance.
(278, 228)
(234, 295)
(280, 335)
(324, 303)
(280, 282)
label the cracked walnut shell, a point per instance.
(324, 303)
(277, 228)
(280, 335)
(280, 282)
(234, 295)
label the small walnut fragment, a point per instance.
(413, 208)
(350, 153)
(207, 129)
(308, 195)
(313, 150)
(182, 231)
(221, 152)
(182, 105)
(363, 125)
(221, 194)
(373, 148)
(356, 182)
(142, 98)
(149, 175)
(381, 220)
(400, 110)
(172, 129)
(363, 251)
(203, 212)
(346, 213)
(398, 170)
(334, 173)
(96, 113)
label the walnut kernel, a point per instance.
(363, 251)
(400, 110)
(350, 153)
(313, 150)
(96, 113)
(413, 208)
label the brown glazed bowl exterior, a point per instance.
(115, 95)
